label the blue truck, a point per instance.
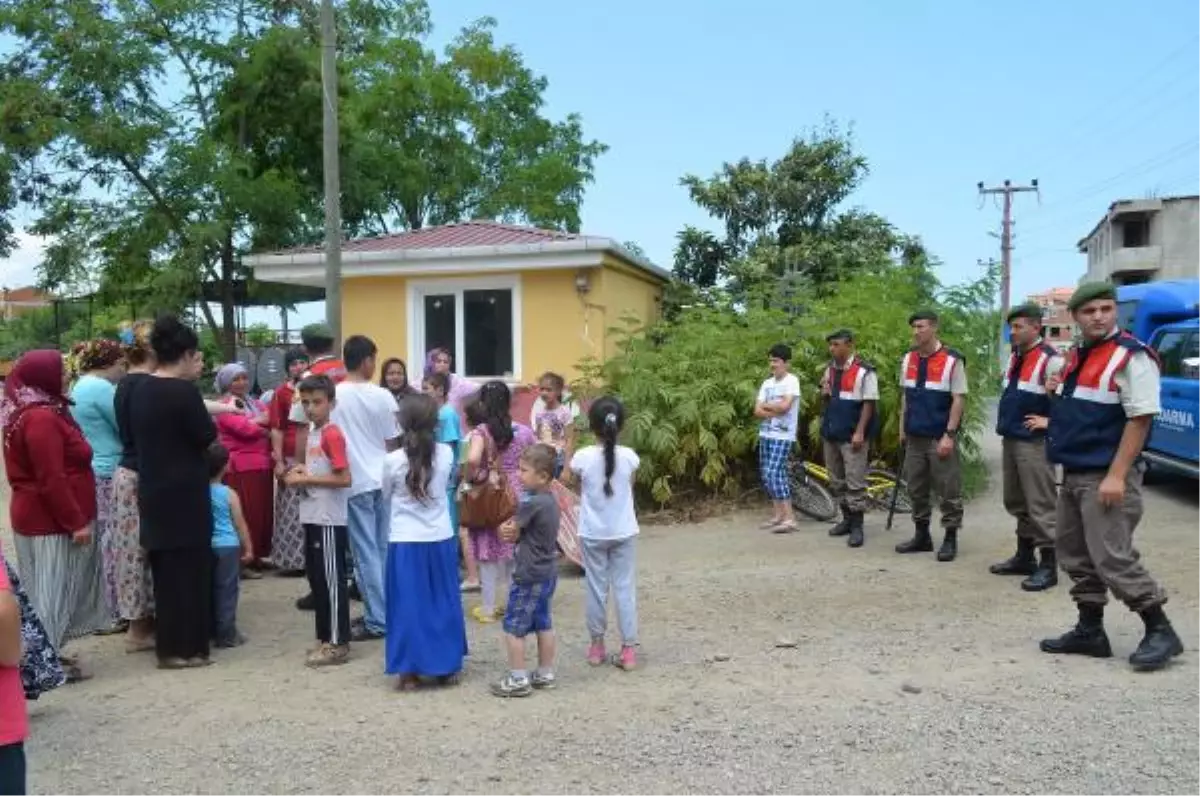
(1167, 316)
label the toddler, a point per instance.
(231, 549)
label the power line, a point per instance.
(1007, 190)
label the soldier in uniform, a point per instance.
(1107, 398)
(934, 382)
(849, 390)
(1030, 488)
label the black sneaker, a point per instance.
(361, 632)
(307, 603)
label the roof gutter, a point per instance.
(571, 246)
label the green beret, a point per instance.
(316, 331)
(1090, 291)
(923, 315)
(1027, 310)
(840, 334)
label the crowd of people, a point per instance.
(139, 507)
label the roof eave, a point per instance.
(418, 257)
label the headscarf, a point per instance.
(431, 358)
(405, 387)
(36, 380)
(94, 355)
(227, 374)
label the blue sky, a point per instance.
(1099, 101)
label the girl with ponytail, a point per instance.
(608, 527)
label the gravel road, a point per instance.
(907, 676)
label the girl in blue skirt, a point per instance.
(426, 633)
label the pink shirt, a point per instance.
(248, 443)
(14, 722)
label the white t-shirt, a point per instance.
(413, 520)
(601, 516)
(780, 426)
(366, 414)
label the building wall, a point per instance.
(1171, 251)
(1058, 327)
(559, 327)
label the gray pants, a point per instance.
(926, 473)
(1095, 543)
(847, 474)
(1030, 489)
(611, 563)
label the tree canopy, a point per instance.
(156, 141)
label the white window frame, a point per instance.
(418, 289)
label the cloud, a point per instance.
(20, 269)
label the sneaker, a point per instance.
(512, 687)
(236, 640)
(626, 659)
(596, 655)
(363, 633)
(307, 603)
(483, 617)
(543, 681)
(469, 586)
(328, 655)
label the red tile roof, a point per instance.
(449, 236)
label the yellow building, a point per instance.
(509, 302)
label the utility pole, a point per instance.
(1006, 245)
(333, 186)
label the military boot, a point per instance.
(1023, 561)
(843, 527)
(1086, 638)
(1046, 574)
(949, 549)
(1159, 645)
(921, 542)
(855, 539)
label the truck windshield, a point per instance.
(1127, 316)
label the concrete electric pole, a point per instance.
(333, 187)
(1006, 245)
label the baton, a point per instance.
(896, 488)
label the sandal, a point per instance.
(786, 527)
(407, 683)
(767, 525)
(469, 587)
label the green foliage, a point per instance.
(785, 219)
(157, 142)
(259, 335)
(690, 383)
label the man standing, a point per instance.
(1030, 488)
(778, 411)
(366, 414)
(934, 382)
(1108, 397)
(849, 391)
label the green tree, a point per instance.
(787, 219)
(143, 185)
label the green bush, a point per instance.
(689, 384)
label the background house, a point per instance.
(1145, 240)
(1058, 327)
(510, 302)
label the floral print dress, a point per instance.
(485, 542)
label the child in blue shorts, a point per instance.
(535, 530)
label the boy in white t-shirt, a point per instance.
(778, 409)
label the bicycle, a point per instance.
(811, 498)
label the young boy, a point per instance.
(325, 477)
(778, 408)
(231, 548)
(535, 530)
(14, 721)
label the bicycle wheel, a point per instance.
(811, 499)
(880, 486)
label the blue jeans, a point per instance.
(368, 521)
(227, 577)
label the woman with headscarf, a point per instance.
(287, 545)
(53, 502)
(438, 360)
(171, 431)
(98, 365)
(245, 434)
(393, 377)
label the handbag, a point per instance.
(490, 503)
